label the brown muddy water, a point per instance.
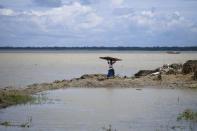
(20, 68)
(92, 109)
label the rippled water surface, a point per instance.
(21, 68)
(83, 109)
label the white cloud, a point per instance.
(7, 12)
(92, 21)
(117, 2)
(177, 13)
(155, 22)
(116, 20)
(73, 17)
(147, 13)
(175, 19)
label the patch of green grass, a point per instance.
(19, 99)
(24, 99)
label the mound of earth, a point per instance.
(163, 77)
(189, 66)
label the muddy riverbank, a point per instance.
(168, 76)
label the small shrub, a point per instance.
(165, 66)
(176, 66)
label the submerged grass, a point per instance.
(18, 99)
(109, 128)
(139, 89)
(178, 127)
(187, 115)
(24, 99)
(14, 99)
(19, 125)
(23, 125)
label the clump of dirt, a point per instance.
(195, 75)
(189, 66)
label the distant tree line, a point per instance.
(192, 48)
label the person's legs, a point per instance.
(113, 73)
(110, 73)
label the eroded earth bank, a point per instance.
(167, 76)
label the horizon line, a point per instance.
(96, 48)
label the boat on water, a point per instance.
(173, 52)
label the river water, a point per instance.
(20, 68)
(82, 109)
(94, 109)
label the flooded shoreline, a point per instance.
(178, 81)
(175, 76)
(95, 109)
(146, 101)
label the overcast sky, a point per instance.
(98, 22)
